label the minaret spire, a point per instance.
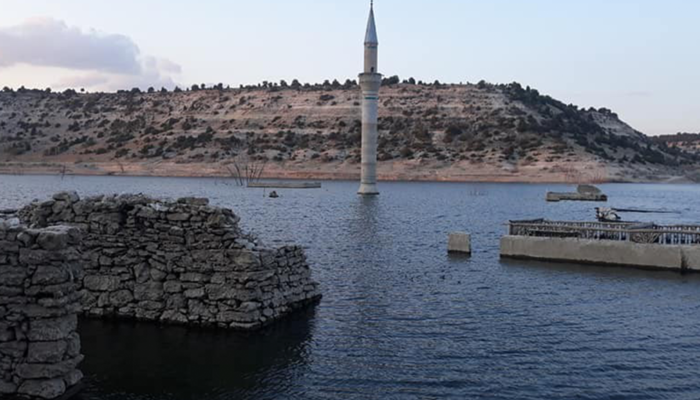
(371, 36)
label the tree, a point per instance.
(296, 84)
(392, 80)
(284, 83)
(177, 89)
(163, 90)
(195, 87)
(151, 90)
(411, 81)
(247, 169)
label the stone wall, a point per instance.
(177, 262)
(39, 303)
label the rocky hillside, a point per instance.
(442, 132)
(688, 142)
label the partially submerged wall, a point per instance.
(653, 256)
(39, 303)
(177, 262)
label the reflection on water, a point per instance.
(128, 360)
(400, 319)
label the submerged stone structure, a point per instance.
(129, 256)
(39, 306)
(182, 262)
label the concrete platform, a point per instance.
(574, 196)
(603, 252)
(285, 185)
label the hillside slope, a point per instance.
(688, 142)
(440, 132)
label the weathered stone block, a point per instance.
(178, 217)
(172, 287)
(12, 276)
(194, 293)
(51, 329)
(9, 246)
(46, 352)
(57, 237)
(192, 277)
(7, 388)
(48, 371)
(73, 378)
(73, 345)
(69, 197)
(152, 291)
(121, 298)
(101, 283)
(45, 389)
(51, 275)
(15, 349)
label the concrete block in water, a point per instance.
(602, 252)
(575, 196)
(459, 242)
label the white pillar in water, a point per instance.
(370, 81)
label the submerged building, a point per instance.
(370, 82)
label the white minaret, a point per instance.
(370, 81)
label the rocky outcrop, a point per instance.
(39, 304)
(182, 262)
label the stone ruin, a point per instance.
(39, 302)
(134, 257)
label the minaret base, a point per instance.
(368, 189)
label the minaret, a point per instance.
(370, 81)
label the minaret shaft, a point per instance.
(370, 82)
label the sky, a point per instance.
(639, 58)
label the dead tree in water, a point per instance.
(246, 170)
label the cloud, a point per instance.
(104, 61)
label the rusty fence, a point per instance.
(618, 231)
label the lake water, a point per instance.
(403, 320)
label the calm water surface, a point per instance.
(403, 320)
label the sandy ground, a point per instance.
(387, 171)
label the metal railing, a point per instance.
(617, 231)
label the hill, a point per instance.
(688, 142)
(473, 132)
